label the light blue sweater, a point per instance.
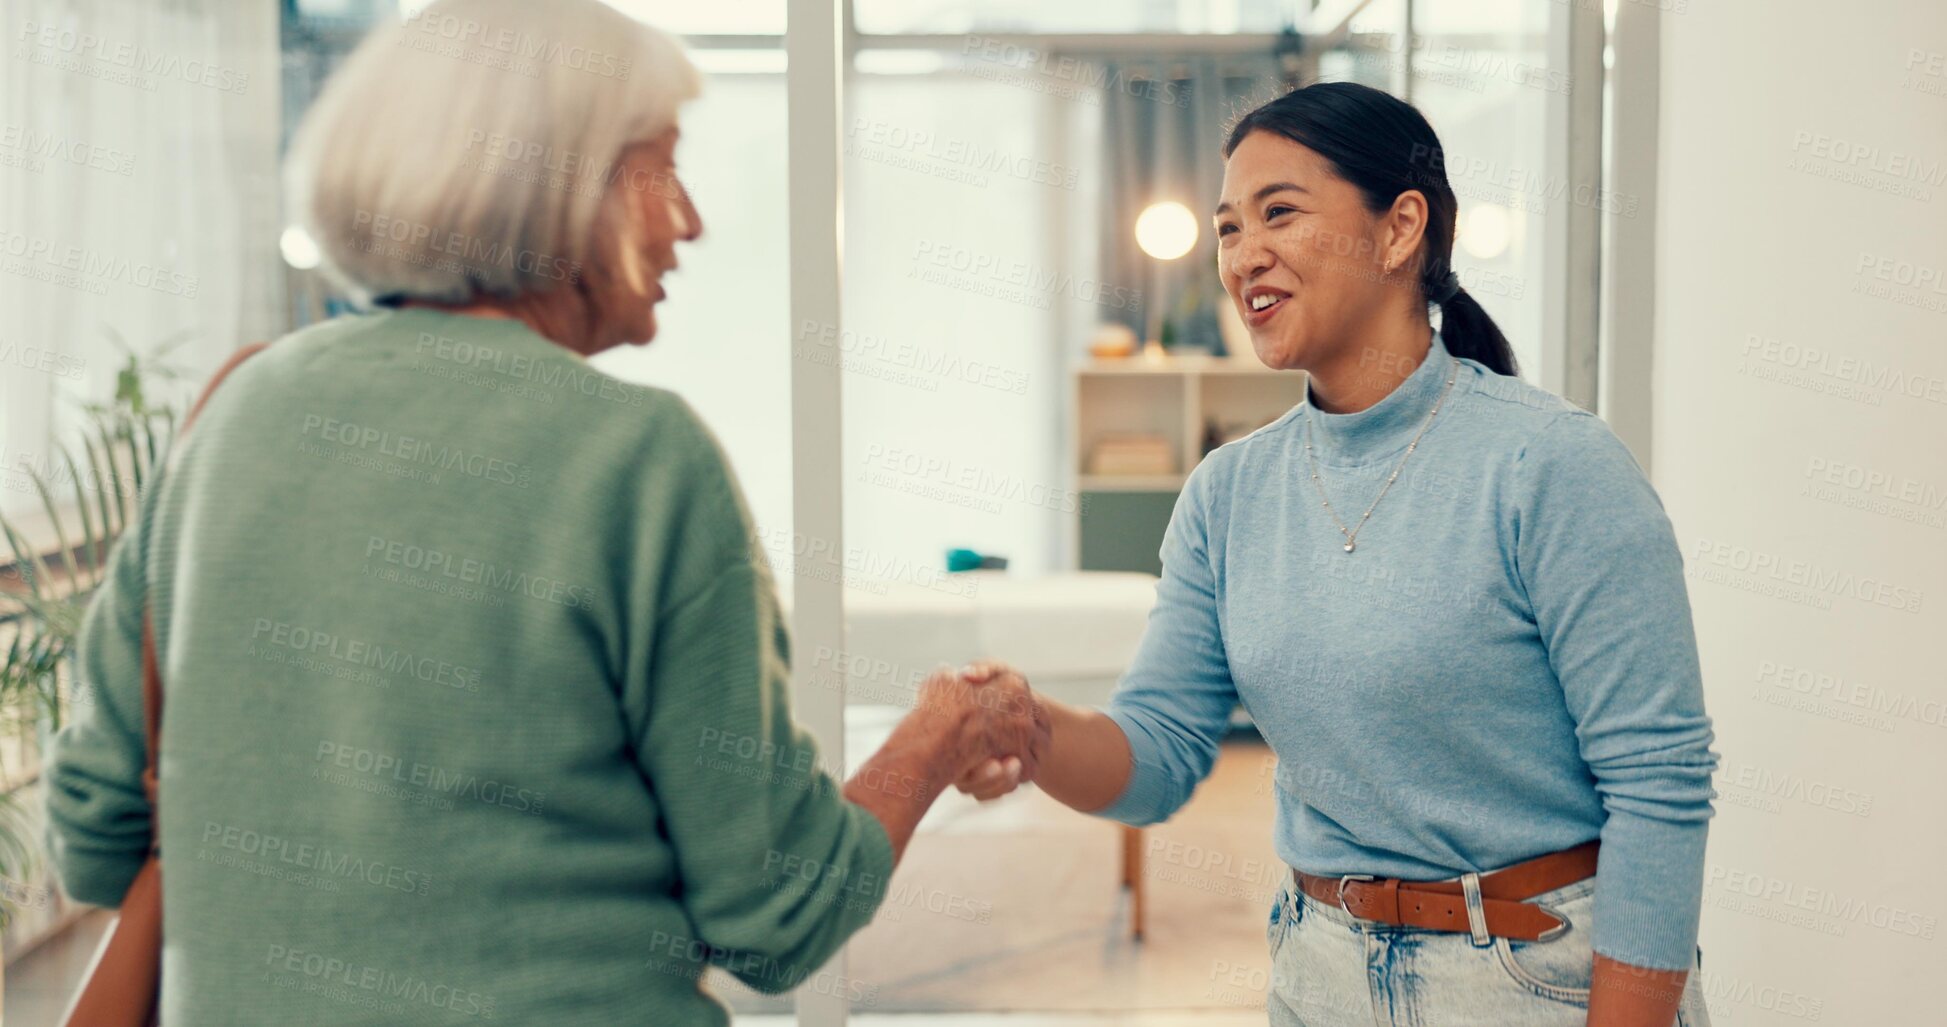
(1505, 666)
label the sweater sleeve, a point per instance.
(1604, 577)
(1174, 702)
(778, 869)
(99, 821)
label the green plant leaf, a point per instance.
(27, 562)
(109, 437)
(108, 527)
(18, 855)
(136, 465)
(148, 439)
(60, 529)
(95, 541)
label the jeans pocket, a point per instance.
(1281, 917)
(1562, 968)
(1285, 911)
(1563, 975)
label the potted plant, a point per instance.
(86, 495)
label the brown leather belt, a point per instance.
(1442, 906)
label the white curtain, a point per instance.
(138, 198)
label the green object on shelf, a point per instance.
(967, 560)
(1123, 531)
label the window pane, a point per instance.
(950, 416)
(744, 17)
(722, 336)
(1029, 16)
(1479, 72)
(761, 17)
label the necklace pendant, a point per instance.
(1348, 547)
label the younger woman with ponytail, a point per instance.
(1453, 605)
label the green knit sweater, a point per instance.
(476, 702)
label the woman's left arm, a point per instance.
(1603, 573)
(99, 821)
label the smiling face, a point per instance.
(1303, 258)
(645, 213)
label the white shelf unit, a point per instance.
(1172, 397)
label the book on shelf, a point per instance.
(1132, 455)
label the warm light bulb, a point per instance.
(1166, 230)
(299, 249)
(1487, 231)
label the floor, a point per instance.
(1171, 1019)
(40, 983)
(1008, 914)
(1017, 906)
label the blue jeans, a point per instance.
(1332, 969)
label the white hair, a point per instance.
(465, 150)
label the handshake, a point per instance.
(986, 726)
(983, 731)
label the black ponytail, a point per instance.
(1384, 147)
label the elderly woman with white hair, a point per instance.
(476, 691)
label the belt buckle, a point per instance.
(1559, 929)
(1348, 879)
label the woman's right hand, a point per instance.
(1082, 759)
(990, 716)
(956, 725)
(994, 776)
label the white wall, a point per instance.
(722, 337)
(950, 386)
(951, 397)
(1820, 604)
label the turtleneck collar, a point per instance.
(1383, 429)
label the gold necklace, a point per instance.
(1352, 536)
